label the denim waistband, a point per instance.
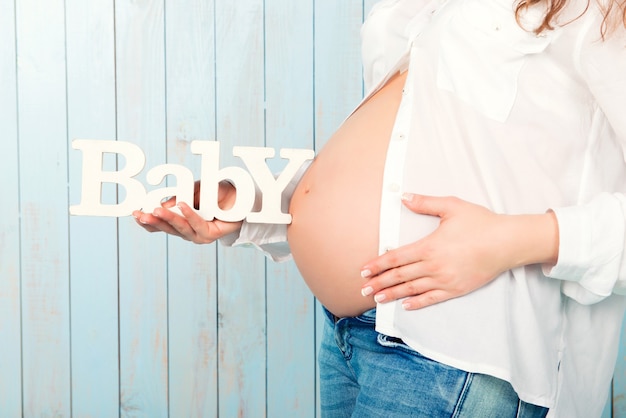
(368, 317)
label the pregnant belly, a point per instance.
(335, 208)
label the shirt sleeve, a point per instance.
(592, 260)
(591, 249)
(270, 239)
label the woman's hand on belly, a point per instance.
(471, 247)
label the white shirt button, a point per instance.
(394, 187)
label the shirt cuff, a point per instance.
(591, 244)
(270, 239)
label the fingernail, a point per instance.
(407, 197)
(406, 306)
(379, 298)
(366, 291)
(366, 273)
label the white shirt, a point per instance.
(518, 123)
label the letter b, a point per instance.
(93, 177)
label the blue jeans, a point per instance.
(367, 374)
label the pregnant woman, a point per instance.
(465, 227)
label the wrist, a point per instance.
(536, 238)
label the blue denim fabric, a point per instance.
(367, 374)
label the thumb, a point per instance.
(427, 205)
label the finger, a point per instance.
(164, 226)
(174, 224)
(429, 205)
(426, 299)
(148, 222)
(393, 277)
(398, 257)
(191, 226)
(169, 203)
(137, 214)
(195, 220)
(197, 223)
(207, 231)
(406, 289)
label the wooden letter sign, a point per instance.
(254, 158)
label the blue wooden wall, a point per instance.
(99, 318)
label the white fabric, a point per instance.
(519, 123)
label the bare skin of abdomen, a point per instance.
(335, 208)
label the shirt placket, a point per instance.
(393, 176)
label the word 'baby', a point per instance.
(254, 158)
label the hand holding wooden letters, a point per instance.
(254, 158)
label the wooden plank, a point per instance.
(10, 350)
(241, 284)
(338, 75)
(291, 359)
(93, 240)
(289, 52)
(143, 284)
(192, 269)
(619, 379)
(43, 192)
(367, 6)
